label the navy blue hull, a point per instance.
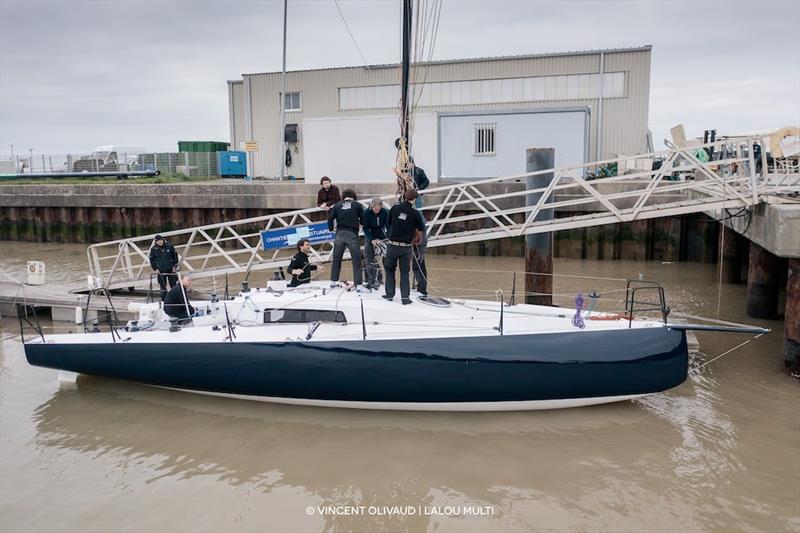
(470, 369)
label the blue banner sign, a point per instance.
(273, 239)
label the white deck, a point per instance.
(383, 319)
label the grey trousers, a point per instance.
(372, 264)
(346, 239)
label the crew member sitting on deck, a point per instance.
(300, 268)
(176, 304)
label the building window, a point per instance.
(484, 138)
(292, 101)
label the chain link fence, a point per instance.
(192, 164)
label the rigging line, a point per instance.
(488, 291)
(531, 273)
(721, 256)
(721, 262)
(431, 30)
(678, 314)
(728, 351)
(347, 27)
(434, 34)
(423, 32)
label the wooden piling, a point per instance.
(791, 315)
(762, 283)
(539, 247)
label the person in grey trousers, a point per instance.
(346, 216)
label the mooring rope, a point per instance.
(727, 352)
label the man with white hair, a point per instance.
(376, 222)
(176, 304)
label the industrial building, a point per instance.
(473, 118)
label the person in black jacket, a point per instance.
(300, 268)
(164, 260)
(176, 303)
(404, 222)
(376, 227)
(348, 215)
(421, 181)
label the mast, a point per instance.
(282, 133)
(405, 70)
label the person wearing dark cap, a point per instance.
(405, 225)
(328, 195)
(164, 260)
(346, 217)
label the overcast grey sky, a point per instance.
(77, 74)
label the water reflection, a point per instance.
(356, 457)
(717, 453)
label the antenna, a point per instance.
(110, 325)
(499, 294)
(231, 334)
(363, 322)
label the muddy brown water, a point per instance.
(719, 453)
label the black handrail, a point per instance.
(632, 304)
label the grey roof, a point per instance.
(644, 48)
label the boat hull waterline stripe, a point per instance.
(531, 405)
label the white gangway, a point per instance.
(497, 207)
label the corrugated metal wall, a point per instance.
(255, 101)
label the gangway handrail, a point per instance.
(635, 193)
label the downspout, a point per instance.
(599, 142)
(232, 116)
(248, 123)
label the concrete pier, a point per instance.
(791, 340)
(762, 283)
(539, 247)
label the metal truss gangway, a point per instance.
(687, 181)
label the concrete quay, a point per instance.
(94, 213)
